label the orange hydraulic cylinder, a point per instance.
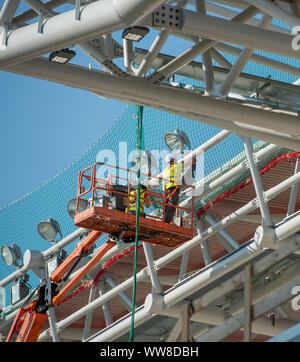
(66, 264)
(69, 286)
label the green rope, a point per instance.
(138, 152)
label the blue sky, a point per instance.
(44, 127)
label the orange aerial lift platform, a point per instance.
(101, 205)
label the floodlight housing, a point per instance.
(82, 205)
(62, 56)
(19, 290)
(135, 33)
(53, 263)
(49, 229)
(12, 255)
(176, 141)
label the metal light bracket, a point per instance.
(170, 16)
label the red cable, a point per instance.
(273, 163)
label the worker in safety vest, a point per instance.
(172, 176)
(144, 201)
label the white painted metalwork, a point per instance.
(248, 105)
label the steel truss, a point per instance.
(226, 295)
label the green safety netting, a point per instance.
(19, 219)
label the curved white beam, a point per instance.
(62, 30)
(174, 100)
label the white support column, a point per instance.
(127, 54)
(108, 45)
(185, 322)
(240, 63)
(153, 52)
(52, 324)
(8, 10)
(122, 295)
(176, 331)
(105, 306)
(89, 316)
(294, 192)
(156, 287)
(248, 310)
(259, 59)
(206, 56)
(183, 265)
(204, 246)
(228, 238)
(220, 59)
(257, 181)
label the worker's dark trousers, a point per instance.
(173, 200)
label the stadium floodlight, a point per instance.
(176, 141)
(82, 205)
(53, 263)
(49, 229)
(135, 33)
(12, 255)
(62, 56)
(19, 290)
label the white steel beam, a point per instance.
(240, 63)
(8, 10)
(232, 32)
(28, 15)
(270, 8)
(259, 59)
(257, 181)
(265, 305)
(176, 101)
(294, 192)
(229, 239)
(199, 48)
(97, 18)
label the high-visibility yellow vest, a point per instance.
(132, 201)
(172, 175)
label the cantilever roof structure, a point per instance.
(234, 91)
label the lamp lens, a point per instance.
(52, 264)
(173, 142)
(7, 255)
(47, 230)
(15, 293)
(82, 205)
